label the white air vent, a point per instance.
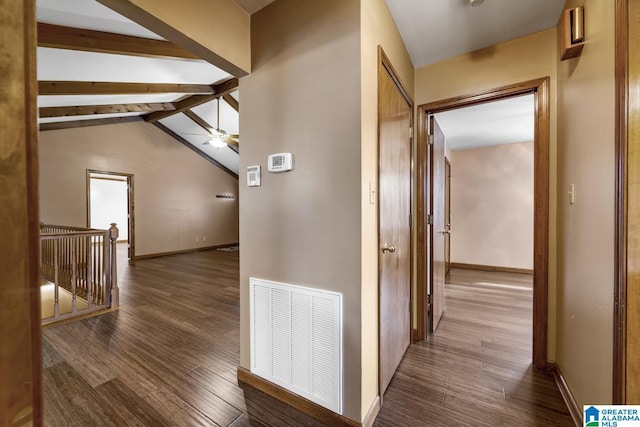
(296, 340)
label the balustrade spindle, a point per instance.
(82, 262)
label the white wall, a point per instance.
(586, 158)
(492, 206)
(175, 189)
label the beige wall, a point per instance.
(378, 29)
(304, 227)
(216, 30)
(175, 189)
(492, 206)
(514, 61)
(586, 158)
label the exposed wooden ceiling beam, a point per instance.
(220, 89)
(86, 110)
(206, 126)
(86, 123)
(232, 102)
(59, 37)
(192, 147)
(181, 106)
(112, 88)
(199, 120)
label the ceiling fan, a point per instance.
(218, 137)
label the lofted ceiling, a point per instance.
(98, 67)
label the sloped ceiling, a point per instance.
(432, 30)
(165, 82)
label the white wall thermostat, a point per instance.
(253, 176)
(280, 162)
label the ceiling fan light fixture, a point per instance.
(475, 3)
(217, 142)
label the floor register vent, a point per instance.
(296, 340)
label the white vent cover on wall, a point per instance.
(296, 340)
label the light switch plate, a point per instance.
(253, 176)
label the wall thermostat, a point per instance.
(280, 162)
(253, 176)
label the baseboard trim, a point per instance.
(183, 251)
(491, 268)
(325, 416)
(569, 400)
(372, 413)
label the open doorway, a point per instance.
(431, 208)
(488, 225)
(110, 200)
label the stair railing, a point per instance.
(80, 263)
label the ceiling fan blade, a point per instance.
(233, 135)
(197, 134)
(230, 141)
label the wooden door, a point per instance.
(447, 217)
(394, 231)
(437, 229)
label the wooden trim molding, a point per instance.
(491, 268)
(20, 331)
(184, 251)
(540, 89)
(372, 413)
(567, 396)
(620, 252)
(247, 379)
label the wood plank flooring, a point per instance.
(168, 357)
(476, 369)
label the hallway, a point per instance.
(169, 357)
(476, 369)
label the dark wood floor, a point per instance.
(476, 369)
(169, 357)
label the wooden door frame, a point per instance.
(130, 207)
(447, 208)
(626, 317)
(20, 331)
(540, 89)
(384, 65)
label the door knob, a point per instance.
(388, 248)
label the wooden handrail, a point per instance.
(80, 262)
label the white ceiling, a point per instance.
(434, 30)
(431, 29)
(251, 6)
(72, 65)
(89, 15)
(494, 123)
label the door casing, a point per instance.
(540, 89)
(130, 207)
